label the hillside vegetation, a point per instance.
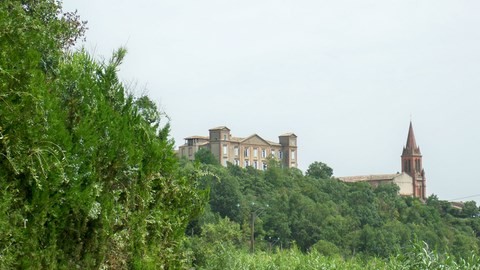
(325, 216)
(89, 180)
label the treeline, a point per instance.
(88, 174)
(317, 212)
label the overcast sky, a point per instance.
(346, 76)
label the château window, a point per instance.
(264, 166)
(264, 153)
(247, 152)
(247, 163)
(255, 152)
(235, 150)
(255, 164)
(280, 154)
(293, 155)
(236, 162)
(273, 152)
(224, 137)
(225, 149)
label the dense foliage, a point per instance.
(326, 216)
(88, 175)
(89, 180)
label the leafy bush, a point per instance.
(88, 175)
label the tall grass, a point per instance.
(419, 257)
(284, 260)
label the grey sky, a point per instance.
(344, 75)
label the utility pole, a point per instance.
(254, 212)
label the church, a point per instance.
(411, 180)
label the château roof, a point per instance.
(197, 137)
(254, 137)
(203, 143)
(288, 135)
(260, 138)
(273, 143)
(243, 139)
(411, 147)
(220, 128)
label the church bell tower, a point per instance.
(412, 165)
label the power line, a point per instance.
(471, 196)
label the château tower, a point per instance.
(412, 165)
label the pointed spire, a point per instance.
(411, 147)
(411, 143)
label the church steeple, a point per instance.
(412, 164)
(411, 147)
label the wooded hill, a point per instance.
(317, 212)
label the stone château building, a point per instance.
(411, 180)
(250, 151)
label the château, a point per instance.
(250, 151)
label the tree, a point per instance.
(88, 176)
(205, 156)
(34, 166)
(326, 248)
(226, 197)
(470, 209)
(215, 238)
(319, 170)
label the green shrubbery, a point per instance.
(88, 176)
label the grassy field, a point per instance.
(420, 257)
